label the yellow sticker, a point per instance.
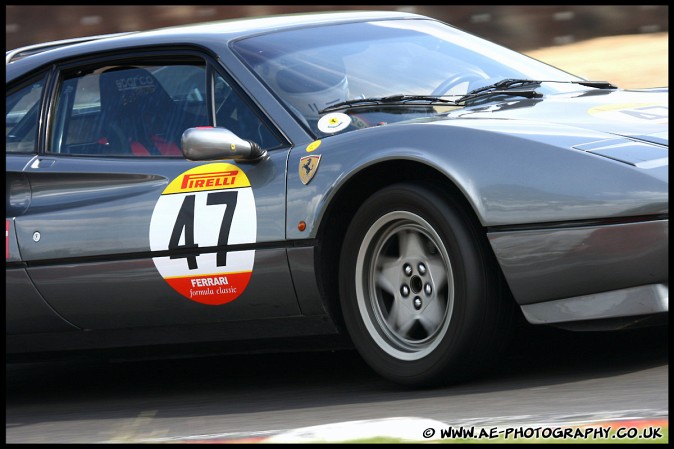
(208, 177)
(652, 112)
(313, 145)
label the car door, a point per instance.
(26, 310)
(122, 231)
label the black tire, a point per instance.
(422, 299)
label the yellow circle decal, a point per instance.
(198, 217)
(313, 145)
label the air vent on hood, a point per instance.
(638, 154)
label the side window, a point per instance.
(21, 118)
(233, 113)
(128, 110)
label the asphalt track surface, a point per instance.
(549, 378)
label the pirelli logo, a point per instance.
(201, 180)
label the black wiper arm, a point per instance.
(389, 100)
(509, 86)
(510, 83)
(597, 84)
(524, 88)
(529, 92)
(505, 84)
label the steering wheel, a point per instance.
(449, 83)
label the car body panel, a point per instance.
(131, 293)
(29, 312)
(70, 189)
(623, 112)
(491, 161)
(634, 304)
(544, 261)
(529, 258)
(73, 199)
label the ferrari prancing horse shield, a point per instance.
(308, 167)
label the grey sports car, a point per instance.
(379, 176)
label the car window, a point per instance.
(125, 110)
(232, 112)
(21, 117)
(143, 110)
(312, 68)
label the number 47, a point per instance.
(185, 222)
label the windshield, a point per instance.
(310, 69)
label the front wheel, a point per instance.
(418, 288)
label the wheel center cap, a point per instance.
(416, 284)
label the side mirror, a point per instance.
(209, 143)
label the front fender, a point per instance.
(511, 172)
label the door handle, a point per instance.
(42, 163)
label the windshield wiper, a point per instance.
(526, 87)
(513, 82)
(597, 84)
(510, 86)
(418, 100)
(529, 92)
(504, 84)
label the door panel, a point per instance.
(95, 264)
(121, 231)
(131, 293)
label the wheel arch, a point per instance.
(351, 195)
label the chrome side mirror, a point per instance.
(208, 143)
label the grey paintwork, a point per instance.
(628, 302)
(131, 293)
(88, 199)
(535, 173)
(111, 202)
(521, 172)
(28, 311)
(511, 171)
(550, 264)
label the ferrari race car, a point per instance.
(381, 176)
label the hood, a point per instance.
(636, 114)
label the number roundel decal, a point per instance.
(198, 215)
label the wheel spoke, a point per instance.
(388, 274)
(411, 245)
(400, 319)
(432, 316)
(438, 272)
